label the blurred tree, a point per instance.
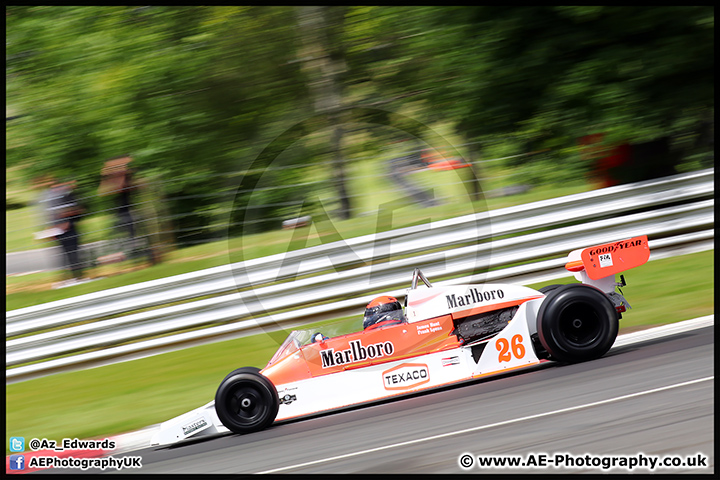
(324, 60)
(195, 93)
(395, 58)
(189, 91)
(546, 76)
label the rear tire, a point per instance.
(577, 323)
(246, 401)
(549, 288)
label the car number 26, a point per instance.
(508, 350)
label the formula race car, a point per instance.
(446, 335)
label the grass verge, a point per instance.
(131, 395)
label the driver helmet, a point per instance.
(383, 311)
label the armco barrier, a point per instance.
(340, 277)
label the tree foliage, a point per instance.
(196, 93)
(546, 76)
(189, 92)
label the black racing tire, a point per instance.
(242, 370)
(577, 323)
(549, 288)
(246, 401)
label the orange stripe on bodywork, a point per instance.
(412, 344)
(490, 308)
(450, 344)
(575, 266)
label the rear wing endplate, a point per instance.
(601, 261)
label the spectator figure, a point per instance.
(400, 168)
(66, 211)
(45, 220)
(117, 180)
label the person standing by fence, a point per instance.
(118, 181)
(45, 220)
(66, 211)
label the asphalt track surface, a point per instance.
(655, 398)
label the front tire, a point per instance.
(246, 401)
(577, 323)
(242, 370)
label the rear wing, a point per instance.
(598, 265)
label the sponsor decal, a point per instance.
(474, 296)
(194, 426)
(356, 353)
(406, 376)
(428, 328)
(446, 362)
(287, 399)
(605, 260)
(615, 247)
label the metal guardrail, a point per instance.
(673, 212)
(356, 251)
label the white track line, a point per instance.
(492, 425)
(664, 330)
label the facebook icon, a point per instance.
(17, 462)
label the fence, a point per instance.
(522, 244)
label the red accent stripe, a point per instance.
(417, 301)
(575, 266)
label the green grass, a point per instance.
(131, 395)
(17, 185)
(35, 288)
(20, 229)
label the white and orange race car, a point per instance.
(446, 335)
